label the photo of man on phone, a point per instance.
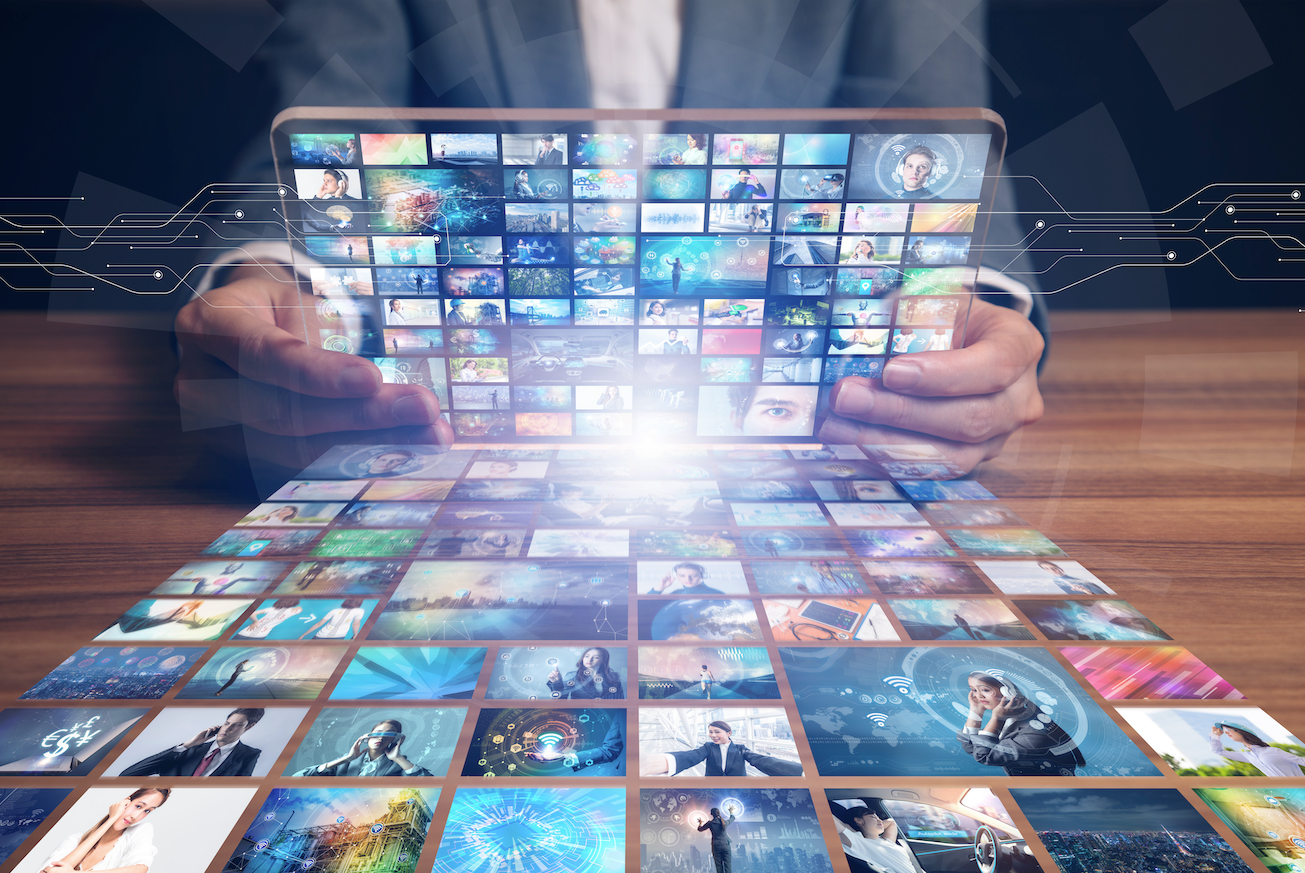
(214, 751)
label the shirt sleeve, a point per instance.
(140, 846)
(1216, 746)
(1019, 745)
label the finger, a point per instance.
(1001, 345)
(266, 353)
(296, 452)
(966, 456)
(971, 419)
(279, 411)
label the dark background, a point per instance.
(112, 89)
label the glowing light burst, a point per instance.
(555, 830)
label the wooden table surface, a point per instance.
(104, 496)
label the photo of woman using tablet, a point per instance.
(122, 841)
(1017, 737)
(592, 679)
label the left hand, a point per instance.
(1002, 709)
(966, 401)
(395, 752)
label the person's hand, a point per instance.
(1216, 731)
(58, 867)
(249, 356)
(118, 810)
(967, 402)
(652, 765)
(977, 706)
(555, 676)
(358, 747)
(395, 752)
(666, 582)
(1004, 706)
(204, 736)
(545, 756)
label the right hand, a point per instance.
(117, 810)
(359, 745)
(976, 705)
(295, 400)
(667, 581)
(555, 676)
(204, 736)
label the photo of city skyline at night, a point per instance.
(1092, 829)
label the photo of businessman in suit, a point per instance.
(214, 751)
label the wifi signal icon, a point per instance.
(550, 738)
(997, 673)
(900, 684)
(898, 149)
(878, 718)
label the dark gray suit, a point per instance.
(240, 762)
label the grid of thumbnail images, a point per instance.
(556, 285)
(564, 659)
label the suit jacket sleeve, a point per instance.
(691, 758)
(240, 762)
(772, 766)
(612, 747)
(169, 762)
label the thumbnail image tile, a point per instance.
(177, 742)
(1090, 620)
(808, 577)
(110, 673)
(972, 514)
(221, 577)
(341, 577)
(876, 515)
(168, 840)
(762, 830)
(684, 544)
(547, 742)
(789, 543)
(1085, 829)
(559, 673)
(674, 184)
(924, 578)
(889, 543)
(767, 489)
(1009, 542)
(22, 810)
(495, 514)
(264, 673)
(307, 489)
(928, 310)
(679, 578)
(60, 742)
(411, 673)
(783, 514)
(367, 544)
(394, 148)
(827, 619)
(980, 620)
(580, 543)
(389, 515)
(337, 830)
(289, 618)
(932, 281)
(1149, 673)
(176, 620)
(463, 149)
(507, 600)
(536, 184)
(1267, 822)
(578, 830)
(965, 489)
(745, 148)
(687, 742)
(716, 619)
(249, 543)
(605, 184)
(324, 149)
(861, 313)
(909, 166)
(491, 543)
(706, 673)
(1041, 577)
(869, 490)
(538, 149)
(905, 714)
(386, 462)
(291, 515)
(1232, 741)
(674, 149)
(938, 829)
(742, 184)
(375, 742)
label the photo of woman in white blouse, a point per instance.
(121, 842)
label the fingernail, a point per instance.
(359, 380)
(444, 432)
(901, 375)
(412, 410)
(854, 399)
